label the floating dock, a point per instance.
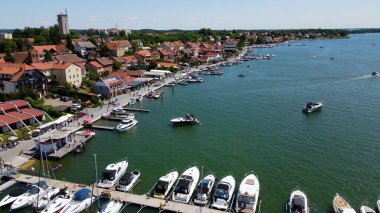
(136, 109)
(7, 184)
(140, 200)
(112, 118)
(60, 153)
(103, 127)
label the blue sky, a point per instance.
(193, 14)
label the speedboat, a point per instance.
(112, 206)
(378, 205)
(164, 185)
(242, 75)
(126, 124)
(375, 74)
(43, 201)
(118, 111)
(298, 202)
(30, 196)
(112, 174)
(311, 107)
(11, 197)
(223, 193)
(186, 185)
(128, 180)
(189, 119)
(86, 133)
(204, 189)
(341, 205)
(366, 209)
(58, 203)
(82, 200)
(248, 194)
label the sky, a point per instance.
(193, 14)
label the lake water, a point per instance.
(255, 124)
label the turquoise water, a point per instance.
(256, 124)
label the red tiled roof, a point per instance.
(20, 115)
(19, 103)
(123, 75)
(6, 106)
(52, 65)
(130, 59)
(34, 112)
(145, 53)
(212, 54)
(166, 64)
(95, 64)
(41, 49)
(8, 120)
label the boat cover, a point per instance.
(298, 203)
(82, 194)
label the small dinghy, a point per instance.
(298, 202)
(341, 205)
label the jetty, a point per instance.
(136, 109)
(140, 200)
(112, 118)
(103, 127)
(63, 151)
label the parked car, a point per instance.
(82, 114)
(76, 106)
(55, 96)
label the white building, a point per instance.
(5, 36)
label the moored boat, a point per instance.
(189, 119)
(312, 107)
(30, 196)
(375, 74)
(341, 205)
(242, 75)
(186, 184)
(248, 194)
(204, 190)
(164, 185)
(366, 209)
(112, 174)
(298, 202)
(128, 180)
(11, 197)
(82, 200)
(112, 206)
(126, 124)
(43, 201)
(378, 205)
(58, 203)
(224, 193)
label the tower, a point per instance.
(63, 23)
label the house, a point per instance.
(84, 48)
(122, 61)
(118, 48)
(230, 45)
(167, 65)
(164, 55)
(73, 58)
(131, 60)
(213, 56)
(6, 36)
(143, 56)
(110, 86)
(22, 57)
(95, 66)
(37, 53)
(15, 76)
(106, 63)
(123, 75)
(136, 73)
(59, 73)
(138, 42)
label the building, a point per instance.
(110, 86)
(230, 45)
(84, 48)
(138, 42)
(118, 48)
(106, 63)
(63, 23)
(131, 60)
(37, 53)
(15, 76)
(167, 65)
(5, 36)
(95, 66)
(59, 73)
(143, 56)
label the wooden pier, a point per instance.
(136, 109)
(112, 118)
(103, 127)
(140, 200)
(60, 153)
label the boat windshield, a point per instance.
(161, 187)
(109, 174)
(222, 191)
(183, 186)
(246, 199)
(126, 179)
(126, 121)
(32, 190)
(203, 187)
(298, 204)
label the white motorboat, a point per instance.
(312, 107)
(378, 205)
(43, 201)
(11, 197)
(82, 200)
(189, 119)
(223, 193)
(204, 189)
(366, 209)
(298, 202)
(58, 203)
(131, 101)
(126, 124)
(186, 185)
(118, 111)
(375, 74)
(248, 194)
(85, 133)
(341, 205)
(128, 180)
(112, 174)
(165, 184)
(34, 192)
(112, 206)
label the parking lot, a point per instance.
(57, 104)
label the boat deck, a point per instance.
(340, 202)
(141, 200)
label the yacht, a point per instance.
(242, 75)
(298, 202)
(341, 205)
(118, 111)
(11, 197)
(164, 185)
(375, 74)
(127, 181)
(378, 205)
(223, 193)
(58, 203)
(204, 190)
(112, 174)
(82, 200)
(366, 209)
(30, 196)
(43, 201)
(189, 119)
(186, 185)
(112, 206)
(126, 124)
(248, 194)
(311, 107)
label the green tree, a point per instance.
(48, 55)
(7, 46)
(69, 43)
(104, 51)
(54, 35)
(40, 40)
(9, 58)
(25, 92)
(68, 89)
(116, 65)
